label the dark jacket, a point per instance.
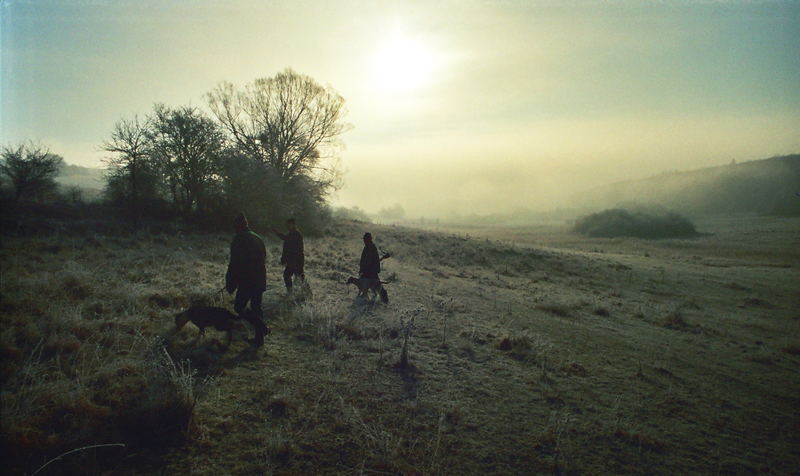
(370, 264)
(292, 255)
(246, 268)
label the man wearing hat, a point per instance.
(370, 264)
(247, 275)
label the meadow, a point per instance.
(528, 350)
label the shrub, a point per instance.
(31, 169)
(354, 214)
(640, 224)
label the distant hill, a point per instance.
(89, 179)
(765, 187)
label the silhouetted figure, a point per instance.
(293, 257)
(369, 268)
(370, 264)
(247, 275)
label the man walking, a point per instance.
(293, 257)
(247, 275)
(370, 264)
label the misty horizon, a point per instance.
(663, 195)
(455, 108)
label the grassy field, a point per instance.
(529, 351)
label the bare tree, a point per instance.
(289, 122)
(31, 168)
(187, 146)
(130, 149)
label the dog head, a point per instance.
(181, 319)
(352, 280)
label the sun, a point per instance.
(403, 64)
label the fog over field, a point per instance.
(399, 237)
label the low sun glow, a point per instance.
(403, 64)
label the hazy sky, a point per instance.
(456, 106)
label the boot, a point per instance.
(258, 327)
(258, 340)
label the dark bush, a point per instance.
(619, 222)
(267, 200)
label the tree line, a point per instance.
(269, 148)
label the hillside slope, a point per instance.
(765, 187)
(91, 180)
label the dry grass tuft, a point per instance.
(560, 310)
(505, 344)
(766, 358)
(758, 302)
(641, 441)
(673, 320)
(601, 311)
(280, 407)
(792, 349)
(160, 300)
(576, 369)
(530, 348)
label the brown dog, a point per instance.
(365, 285)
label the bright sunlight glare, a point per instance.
(403, 64)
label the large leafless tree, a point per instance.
(186, 145)
(130, 157)
(289, 122)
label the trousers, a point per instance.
(254, 317)
(290, 271)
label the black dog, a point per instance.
(207, 316)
